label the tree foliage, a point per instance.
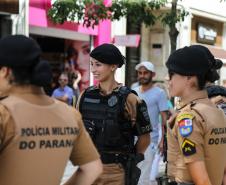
(90, 12)
(87, 11)
(170, 18)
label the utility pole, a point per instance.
(132, 53)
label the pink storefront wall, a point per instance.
(38, 17)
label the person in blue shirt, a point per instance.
(63, 93)
(156, 101)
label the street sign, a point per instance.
(127, 40)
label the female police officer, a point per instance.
(197, 136)
(37, 133)
(113, 115)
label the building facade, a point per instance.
(205, 25)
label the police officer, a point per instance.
(197, 134)
(113, 115)
(37, 133)
(217, 95)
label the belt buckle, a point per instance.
(117, 158)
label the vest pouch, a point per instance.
(90, 127)
(111, 134)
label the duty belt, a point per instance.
(164, 180)
(108, 158)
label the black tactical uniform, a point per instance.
(113, 119)
(110, 126)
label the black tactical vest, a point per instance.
(104, 119)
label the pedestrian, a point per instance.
(38, 134)
(156, 100)
(217, 95)
(63, 93)
(113, 115)
(196, 137)
(70, 67)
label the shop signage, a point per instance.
(206, 34)
(127, 40)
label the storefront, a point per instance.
(56, 40)
(209, 32)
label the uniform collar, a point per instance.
(97, 87)
(193, 98)
(26, 89)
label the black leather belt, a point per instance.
(108, 158)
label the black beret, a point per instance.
(108, 54)
(215, 63)
(18, 51)
(188, 61)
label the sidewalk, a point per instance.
(162, 167)
(70, 169)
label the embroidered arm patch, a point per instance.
(188, 147)
(185, 124)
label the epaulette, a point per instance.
(124, 90)
(192, 104)
(196, 108)
(3, 97)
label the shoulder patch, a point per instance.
(188, 147)
(185, 125)
(184, 115)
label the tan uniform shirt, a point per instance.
(220, 102)
(37, 141)
(200, 134)
(172, 153)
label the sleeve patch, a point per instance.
(185, 124)
(188, 147)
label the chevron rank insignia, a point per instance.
(185, 124)
(188, 147)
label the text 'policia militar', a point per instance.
(30, 136)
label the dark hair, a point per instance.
(201, 82)
(212, 75)
(39, 75)
(214, 64)
(215, 90)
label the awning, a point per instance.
(58, 33)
